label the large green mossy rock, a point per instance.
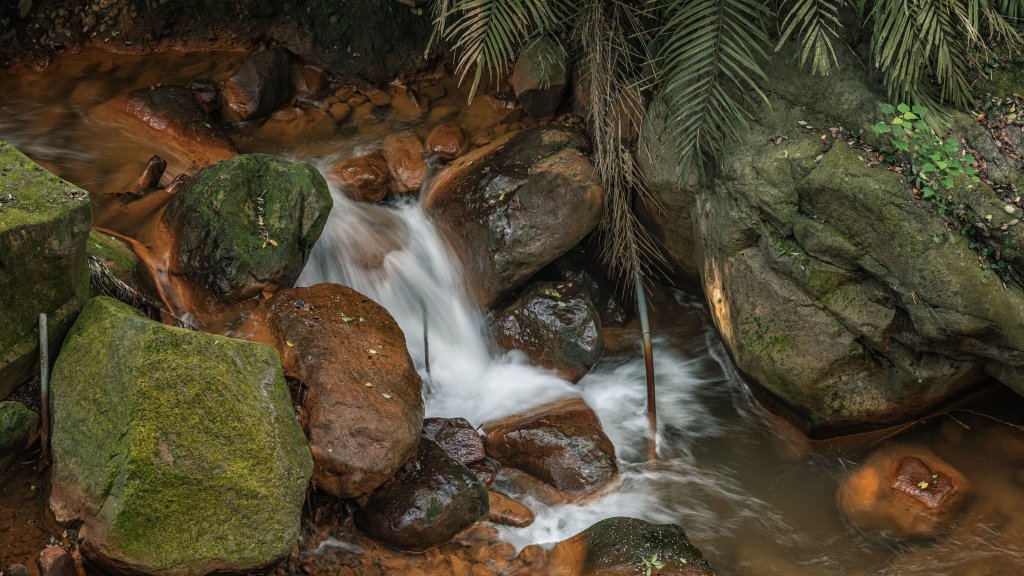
(43, 225)
(248, 224)
(18, 426)
(178, 451)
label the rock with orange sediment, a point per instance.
(508, 512)
(426, 506)
(297, 123)
(512, 208)
(561, 444)
(620, 546)
(363, 409)
(55, 561)
(404, 155)
(447, 141)
(906, 491)
(115, 270)
(173, 122)
(308, 80)
(258, 86)
(365, 178)
(247, 224)
(457, 437)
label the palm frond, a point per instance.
(816, 24)
(710, 60)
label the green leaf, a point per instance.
(881, 127)
(898, 131)
(919, 110)
(927, 192)
(887, 108)
(910, 116)
(928, 168)
(948, 182)
(901, 145)
(903, 108)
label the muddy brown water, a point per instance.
(755, 497)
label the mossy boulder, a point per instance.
(197, 464)
(43, 225)
(18, 425)
(248, 224)
(115, 270)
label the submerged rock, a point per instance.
(446, 141)
(426, 506)
(197, 465)
(248, 224)
(512, 208)
(907, 492)
(561, 444)
(540, 76)
(18, 428)
(258, 87)
(457, 437)
(363, 407)
(508, 512)
(364, 178)
(44, 222)
(555, 325)
(404, 154)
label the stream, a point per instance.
(752, 494)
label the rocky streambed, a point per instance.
(324, 326)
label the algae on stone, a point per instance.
(43, 225)
(179, 451)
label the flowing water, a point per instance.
(755, 497)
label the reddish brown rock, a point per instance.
(340, 111)
(152, 173)
(206, 94)
(486, 471)
(446, 141)
(363, 410)
(365, 178)
(457, 437)
(561, 444)
(508, 512)
(308, 80)
(258, 87)
(55, 561)
(297, 123)
(907, 491)
(404, 155)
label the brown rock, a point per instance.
(446, 141)
(206, 94)
(457, 437)
(377, 97)
(308, 80)
(363, 410)
(340, 111)
(540, 76)
(561, 444)
(258, 87)
(404, 154)
(345, 92)
(55, 561)
(363, 178)
(151, 175)
(486, 471)
(297, 123)
(508, 512)
(407, 105)
(907, 491)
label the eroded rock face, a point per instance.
(198, 464)
(907, 492)
(561, 444)
(555, 325)
(260, 85)
(514, 207)
(365, 178)
(363, 408)
(248, 224)
(435, 499)
(44, 222)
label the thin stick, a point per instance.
(652, 406)
(44, 385)
(426, 339)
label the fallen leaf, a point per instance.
(386, 395)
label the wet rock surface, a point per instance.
(905, 491)
(248, 224)
(555, 325)
(44, 222)
(260, 85)
(457, 437)
(561, 444)
(427, 505)
(508, 511)
(362, 410)
(514, 207)
(55, 561)
(540, 76)
(446, 141)
(365, 178)
(198, 464)
(404, 155)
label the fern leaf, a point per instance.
(816, 24)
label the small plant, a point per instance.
(651, 564)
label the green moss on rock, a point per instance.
(43, 225)
(17, 426)
(197, 464)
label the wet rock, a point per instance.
(364, 178)
(404, 155)
(151, 174)
(18, 428)
(197, 447)
(580, 268)
(297, 123)
(508, 512)
(363, 407)
(308, 80)
(248, 224)
(561, 444)
(555, 325)
(510, 209)
(175, 122)
(906, 491)
(628, 546)
(457, 437)
(55, 561)
(206, 94)
(116, 271)
(340, 111)
(446, 141)
(540, 76)
(435, 499)
(17, 570)
(486, 471)
(258, 87)
(43, 225)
